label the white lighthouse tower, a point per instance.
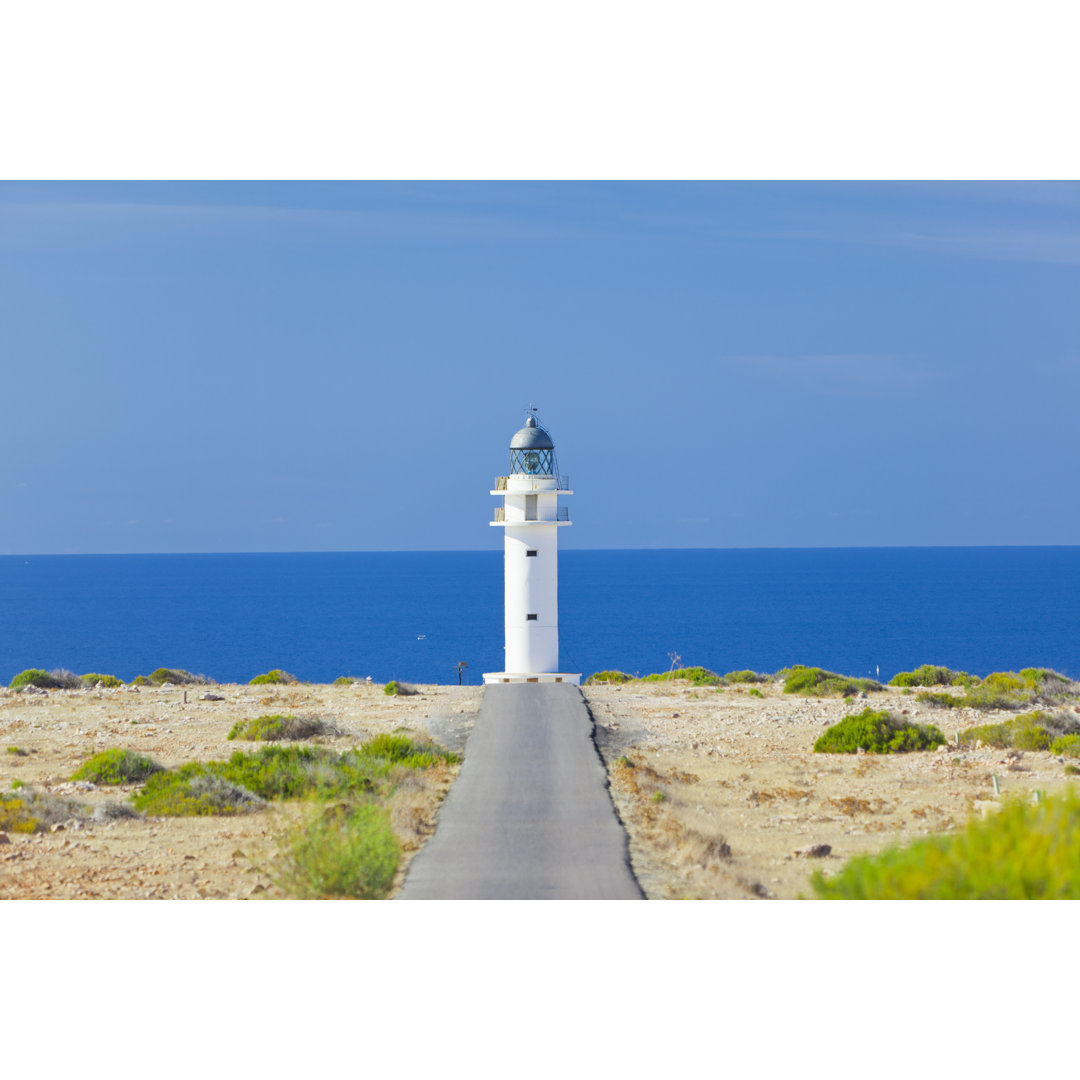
(530, 518)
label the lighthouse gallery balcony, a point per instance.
(539, 483)
(562, 517)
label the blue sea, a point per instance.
(414, 615)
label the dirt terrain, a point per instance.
(719, 790)
(723, 797)
(190, 857)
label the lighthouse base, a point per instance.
(492, 677)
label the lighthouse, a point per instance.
(530, 518)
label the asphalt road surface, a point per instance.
(529, 817)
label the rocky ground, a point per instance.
(720, 791)
(188, 857)
(723, 796)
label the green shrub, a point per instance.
(1005, 682)
(996, 735)
(1023, 852)
(291, 772)
(933, 675)
(175, 676)
(1029, 734)
(733, 677)
(43, 680)
(941, 698)
(140, 680)
(193, 790)
(116, 767)
(287, 772)
(608, 677)
(1009, 690)
(16, 816)
(344, 852)
(57, 679)
(403, 688)
(110, 682)
(34, 811)
(1066, 746)
(877, 733)
(967, 681)
(699, 676)
(815, 681)
(1030, 731)
(275, 676)
(1048, 683)
(401, 750)
(17, 751)
(343, 680)
(1072, 770)
(755, 692)
(278, 728)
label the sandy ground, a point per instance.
(746, 809)
(219, 857)
(720, 791)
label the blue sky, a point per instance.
(262, 366)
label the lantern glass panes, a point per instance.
(533, 462)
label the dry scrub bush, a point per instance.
(116, 767)
(343, 851)
(192, 790)
(1010, 690)
(1023, 852)
(877, 733)
(403, 689)
(175, 677)
(29, 810)
(289, 772)
(608, 677)
(933, 675)
(94, 678)
(696, 676)
(57, 679)
(1057, 732)
(274, 676)
(695, 840)
(279, 728)
(812, 681)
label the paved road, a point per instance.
(529, 817)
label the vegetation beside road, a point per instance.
(1026, 851)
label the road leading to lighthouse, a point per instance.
(529, 817)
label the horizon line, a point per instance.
(496, 551)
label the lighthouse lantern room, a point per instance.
(530, 517)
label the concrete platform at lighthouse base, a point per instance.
(492, 677)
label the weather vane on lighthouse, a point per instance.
(530, 518)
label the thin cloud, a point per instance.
(1012, 245)
(63, 222)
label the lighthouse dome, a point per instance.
(532, 451)
(531, 437)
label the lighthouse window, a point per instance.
(530, 554)
(531, 617)
(530, 507)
